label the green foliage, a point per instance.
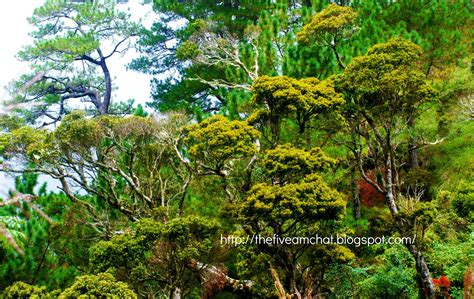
(143, 198)
(140, 111)
(222, 44)
(100, 285)
(54, 40)
(452, 159)
(392, 276)
(26, 183)
(463, 202)
(452, 259)
(440, 28)
(52, 253)
(66, 34)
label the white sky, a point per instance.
(14, 29)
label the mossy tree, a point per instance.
(278, 98)
(385, 87)
(174, 259)
(293, 201)
(330, 27)
(133, 164)
(224, 149)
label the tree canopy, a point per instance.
(292, 149)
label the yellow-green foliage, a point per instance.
(276, 93)
(134, 129)
(23, 290)
(23, 141)
(284, 93)
(146, 253)
(217, 140)
(287, 163)
(77, 132)
(300, 98)
(388, 77)
(187, 50)
(328, 253)
(10, 122)
(102, 285)
(333, 19)
(308, 201)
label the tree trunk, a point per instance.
(176, 293)
(338, 57)
(412, 152)
(104, 109)
(425, 282)
(308, 139)
(279, 287)
(275, 127)
(355, 194)
(389, 197)
(212, 273)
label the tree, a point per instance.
(217, 54)
(43, 242)
(102, 284)
(439, 27)
(132, 163)
(330, 26)
(73, 44)
(171, 259)
(301, 100)
(293, 201)
(386, 85)
(224, 149)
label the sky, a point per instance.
(14, 29)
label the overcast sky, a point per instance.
(14, 29)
